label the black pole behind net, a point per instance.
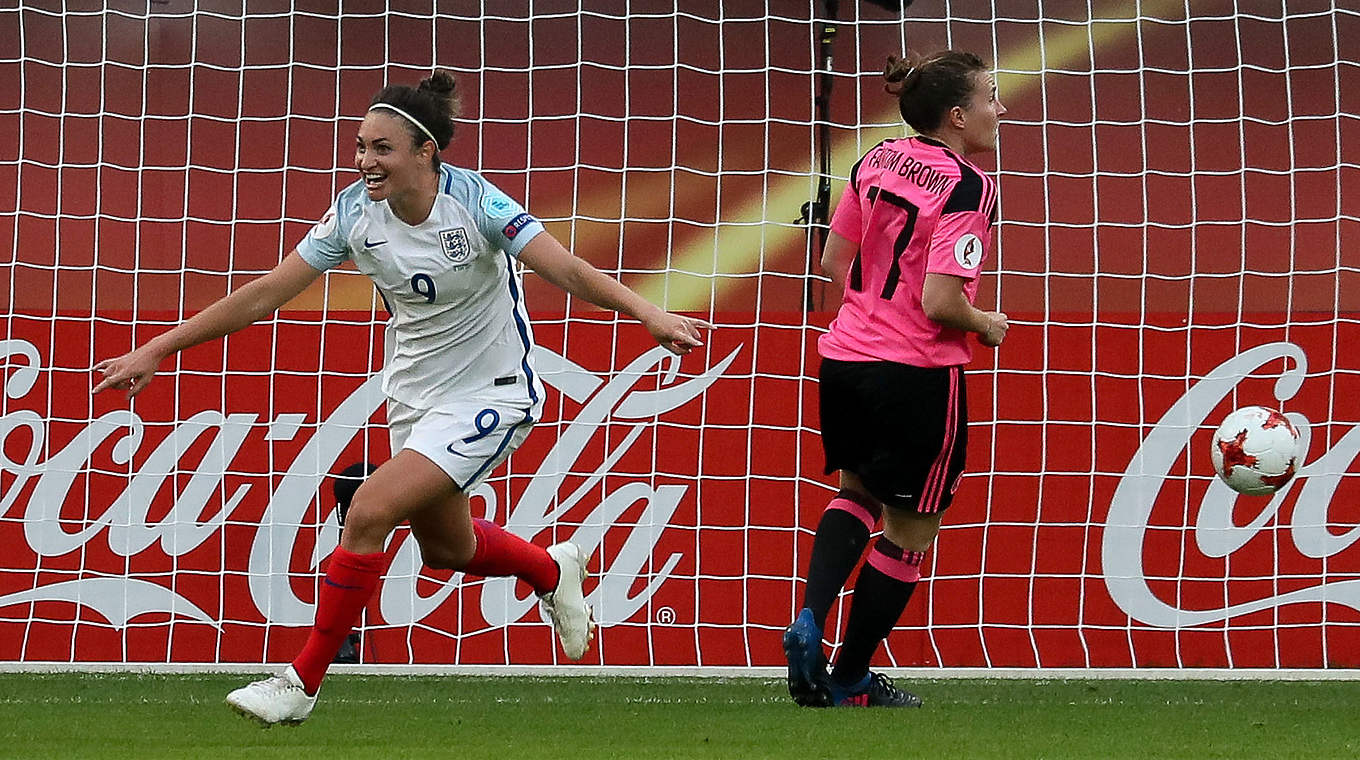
(815, 212)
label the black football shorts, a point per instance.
(903, 430)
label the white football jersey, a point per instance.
(459, 329)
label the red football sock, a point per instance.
(350, 582)
(500, 552)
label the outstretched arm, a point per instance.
(554, 263)
(247, 304)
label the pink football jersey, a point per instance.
(914, 207)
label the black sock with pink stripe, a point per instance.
(881, 594)
(842, 535)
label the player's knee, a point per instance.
(367, 521)
(851, 482)
(915, 544)
(911, 531)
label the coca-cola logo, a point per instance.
(1215, 532)
(193, 519)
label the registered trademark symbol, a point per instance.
(665, 616)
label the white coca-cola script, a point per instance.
(1215, 532)
(189, 523)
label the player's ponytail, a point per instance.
(926, 88)
(428, 110)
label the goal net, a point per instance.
(1177, 238)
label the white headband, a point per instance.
(409, 118)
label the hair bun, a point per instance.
(441, 84)
(897, 71)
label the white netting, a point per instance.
(1174, 182)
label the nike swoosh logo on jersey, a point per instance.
(449, 449)
(368, 244)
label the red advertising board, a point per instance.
(1090, 532)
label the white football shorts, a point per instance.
(467, 440)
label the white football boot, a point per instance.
(277, 699)
(566, 605)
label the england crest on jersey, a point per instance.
(455, 243)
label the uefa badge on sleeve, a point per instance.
(455, 244)
(968, 251)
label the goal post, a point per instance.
(1177, 238)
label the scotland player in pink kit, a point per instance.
(908, 240)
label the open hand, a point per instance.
(130, 372)
(677, 333)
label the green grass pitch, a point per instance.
(141, 717)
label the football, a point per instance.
(1256, 450)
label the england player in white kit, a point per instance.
(461, 387)
(440, 244)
